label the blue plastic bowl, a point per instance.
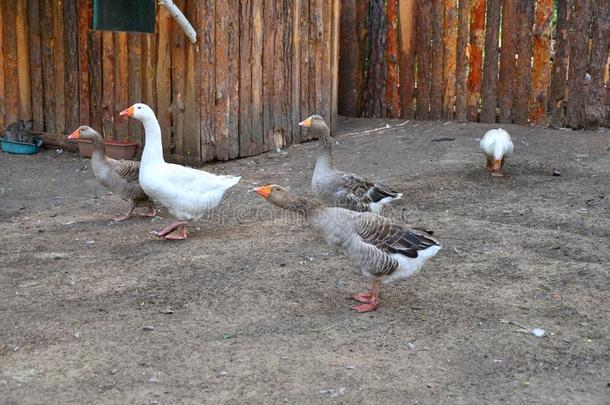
(20, 148)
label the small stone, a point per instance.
(538, 332)
(411, 346)
(148, 328)
(556, 173)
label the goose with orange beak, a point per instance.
(497, 146)
(187, 193)
(384, 250)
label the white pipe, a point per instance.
(182, 21)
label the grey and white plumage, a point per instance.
(383, 249)
(340, 188)
(118, 176)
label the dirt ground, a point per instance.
(254, 307)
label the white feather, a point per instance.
(496, 144)
(408, 266)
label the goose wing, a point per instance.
(126, 169)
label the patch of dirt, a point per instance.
(254, 307)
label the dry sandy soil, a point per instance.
(255, 308)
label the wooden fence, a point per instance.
(521, 61)
(257, 69)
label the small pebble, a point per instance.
(538, 332)
(148, 328)
(556, 173)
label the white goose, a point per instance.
(496, 145)
(187, 193)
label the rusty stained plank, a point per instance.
(23, 63)
(424, 59)
(59, 61)
(94, 71)
(436, 88)
(595, 104)
(163, 78)
(477, 41)
(35, 62)
(11, 77)
(207, 83)
(407, 15)
(541, 71)
(489, 99)
(192, 126)
(134, 81)
(70, 21)
(82, 32)
(108, 79)
(506, 81)
(523, 76)
(393, 98)
(449, 57)
(461, 68)
(559, 73)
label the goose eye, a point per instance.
(139, 107)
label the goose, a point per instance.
(118, 176)
(186, 192)
(383, 249)
(496, 145)
(339, 188)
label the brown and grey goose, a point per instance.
(339, 188)
(383, 249)
(118, 176)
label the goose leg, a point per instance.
(374, 299)
(365, 298)
(126, 216)
(150, 212)
(177, 234)
(171, 227)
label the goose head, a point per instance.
(139, 111)
(276, 195)
(314, 122)
(317, 124)
(86, 132)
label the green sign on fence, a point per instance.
(124, 15)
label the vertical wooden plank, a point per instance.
(352, 50)
(35, 62)
(108, 90)
(424, 58)
(375, 93)
(257, 140)
(2, 88)
(82, 28)
(477, 39)
(557, 92)
(279, 85)
(23, 63)
(579, 58)
(449, 57)
(506, 82)
(11, 78)
(207, 84)
(490, 68)
(305, 66)
(524, 66)
(71, 60)
(334, 102)
(48, 68)
(296, 73)
(461, 68)
(393, 101)
(178, 63)
(134, 74)
(149, 71)
(595, 110)
(122, 84)
(59, 60)
(232, 7)
(407, 10)
(287, 72)
(541, 71)
(268, 62)
(164, 77)
(323, 89)
(245, 78)
(436, 87)
(94, 63)
(192, 128)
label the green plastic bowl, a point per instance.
(20, 148)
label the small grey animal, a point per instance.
(19, 131)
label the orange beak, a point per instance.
(306, 122)
(128, 112)
(74, 135)
(264, 191)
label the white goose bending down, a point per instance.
(496, 145)
(383, 249)
(339, 188)
(118, 176)
(187, 193)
